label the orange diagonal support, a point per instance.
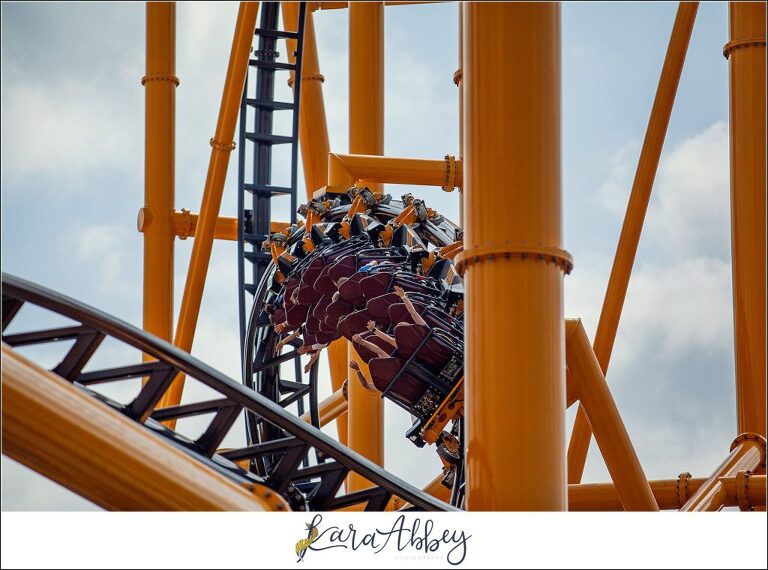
(313, 127)
(330, 409)
(747, 454)
(589, 384)
(222, 145)
(633, 220)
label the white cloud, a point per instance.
(59, 133)
(690, 215)
(672, 364)
(198, 24)
(105, 249)
(682, 271)
(685, 306)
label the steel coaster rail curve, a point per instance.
(300, 436)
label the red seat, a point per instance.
(309, 339)
(345, 267)
(326, 337)
(407, 388)
(290, 286)
(399, 314)
(365, 353)
(319, 309)
(408, 337)
(278, 316)
(435, 353)
(308, 295)
(337, 310)
(296, 315)
(350, 290)
(312, 325)
(354, 323)
(376, 284)
(324, 282)
(378, 307)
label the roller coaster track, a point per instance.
(350, 228)
(255, 144)
(313, 487)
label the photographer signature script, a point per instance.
(402, 535)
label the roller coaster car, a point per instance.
(425, 380)
(344, 275)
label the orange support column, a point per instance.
(746, 54)
(221, 147)
(512, 259)
(366, 136)
(156, 217)
(457, 80)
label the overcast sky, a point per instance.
(72, 183)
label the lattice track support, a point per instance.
(295, 481)
(256, 191)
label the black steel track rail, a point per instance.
(315, 487)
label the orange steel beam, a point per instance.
(669, 493)
(610, 433)
(315, 147)
(185, 225)
(746, 54)
(747, 454)
(331, 408)
(365, 416)
(344, 170)
(515, 331)
(69, 437)
(221, 147)
(160, 84)
(633, 220)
